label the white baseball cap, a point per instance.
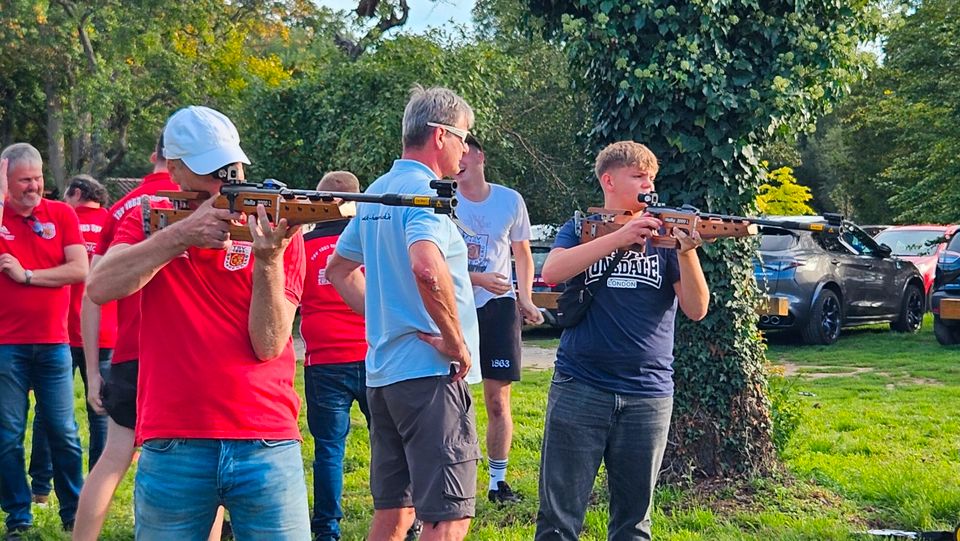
(203, 138)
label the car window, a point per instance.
(539, 256)
(773, 240)
(859, 242)
(954, 245)
(914, 242)
(831, 243)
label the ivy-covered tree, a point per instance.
(706, 85)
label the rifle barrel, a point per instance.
(439, 204)
(823, 227)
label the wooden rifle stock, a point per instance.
(600, 221)
(298, 207)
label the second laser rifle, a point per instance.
(298, 207)
(599, 221)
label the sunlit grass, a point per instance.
(879, 446)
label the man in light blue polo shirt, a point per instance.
(421, 329)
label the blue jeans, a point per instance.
(47, 369)
(585, 425)
(41, 465)
(330, 391)
(180, 483)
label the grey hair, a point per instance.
(18, 153)
(436, 104)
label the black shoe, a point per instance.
(414, 532)
(226, 532)
(17, 533)
(503, 494)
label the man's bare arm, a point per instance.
(436, 290)
(693, 294)
(73, 270)
(127, 268)
(90, 333)
(348, 280)
(270, 321)
(525, 271)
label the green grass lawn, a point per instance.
(878, 446)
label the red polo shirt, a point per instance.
(331, 331)
(128, 309)
(199, 376)
(34, 314)
(91, 224)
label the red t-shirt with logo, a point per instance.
(199, 376)
(128, 309)
(91, 224)
(35, 314)
(331, 331)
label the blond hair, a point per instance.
(339, 181)
(626, 154)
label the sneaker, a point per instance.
(226, 533)
(414, 532)
(41, 499)
(17, 533)
(503, 494)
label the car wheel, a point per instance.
(823, 327)
(947, 335)
(911, 311)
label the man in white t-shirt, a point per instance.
(498, 217)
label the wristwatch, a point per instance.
(27, 276)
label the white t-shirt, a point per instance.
(496, 221)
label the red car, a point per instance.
(919, 244)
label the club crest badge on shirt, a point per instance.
(48, 230)
(477, 252)
(238, 256)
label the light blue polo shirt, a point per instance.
(379, 238)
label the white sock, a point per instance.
(498, 472)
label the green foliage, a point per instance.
(707, 85)
(876, 445)
(786, 410)
(891, 149)
(346, 114)
(782, 195)
(111, 72)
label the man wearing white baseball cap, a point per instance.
(216, 407)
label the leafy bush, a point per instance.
(786, 410)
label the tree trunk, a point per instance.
(55, 156)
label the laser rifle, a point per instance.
(600, 221)
(298, 207)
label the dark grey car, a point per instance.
(833, 281)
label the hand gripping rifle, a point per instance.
(599, 221)
(297, 206)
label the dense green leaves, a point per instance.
(889, 153)
(347, 115)
(95, 79)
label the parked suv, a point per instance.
(945, 300)
(832, 281)
(920, 245)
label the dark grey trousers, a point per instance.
(584, 426)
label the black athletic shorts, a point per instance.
(500, 339)
(119, 393)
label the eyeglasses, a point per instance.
(35, 225)
(461, 133)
